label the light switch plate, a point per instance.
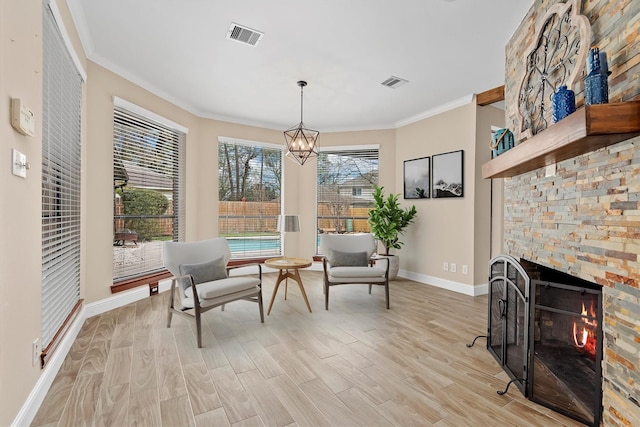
(18, 163)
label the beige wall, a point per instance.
(20, 266)
(443, 231)
(487, 198)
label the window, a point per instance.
(148, 180)
(61, 166)
(249, 194)
(346, 176)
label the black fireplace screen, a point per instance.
(545, 330)
(508, 316)
(566, 341)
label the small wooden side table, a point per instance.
(288, 267)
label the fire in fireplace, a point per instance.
(585, 332)
(551, 322)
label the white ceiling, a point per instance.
(344, 49)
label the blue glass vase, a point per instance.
(596, 85)
(564, 103)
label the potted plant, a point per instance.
(388, 221)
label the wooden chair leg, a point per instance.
(326, 296)
(386, 292)
(261, 308)
(171, 300)
(198, 326)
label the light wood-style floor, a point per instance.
(357, 364)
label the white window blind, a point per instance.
(148, 179)
(346, 177)
(61, 157)
(249, 194)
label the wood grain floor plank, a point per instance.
(216, 418)
(144, 409)
(290, 363)
(235, 399)
(370, 387)
(328, 374)
(81, 407)
(56, 399)
(171, 383)
(118, 367)
(296, 402)
(212, 353)
(96, 358)
(250, 422)
(113, 406)
(188, 350)
(364, 411)
(143, 371)
(176, 412)
(202, 393)
(268, 407)
(262, 359)
(237, 356)
(331, 407)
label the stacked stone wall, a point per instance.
(583, 215)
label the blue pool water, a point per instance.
(254, 244)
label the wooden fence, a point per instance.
(256, 217)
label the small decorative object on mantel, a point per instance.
(564, 103)
(596, 85)
(501, 141)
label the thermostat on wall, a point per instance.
(22, 118)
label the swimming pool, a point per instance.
(259, 245)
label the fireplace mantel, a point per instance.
(588, 129)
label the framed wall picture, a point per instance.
(446, 174)
(416, 178)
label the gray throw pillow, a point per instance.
(347, 259)
(205, 271)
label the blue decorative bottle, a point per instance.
(596, 85)
(564, 103)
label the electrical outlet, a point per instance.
(445, 266)
(452, 267)
(465, 269)
(35, 352)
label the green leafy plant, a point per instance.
(388, 219)
(142, 202)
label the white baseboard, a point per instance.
(30, 407)
(450, 285)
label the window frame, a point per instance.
(337, 150)
(265, 247)
(125, 110)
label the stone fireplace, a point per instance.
(582, 215)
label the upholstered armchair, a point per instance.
(201, 279)
(346, 261)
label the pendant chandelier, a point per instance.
(302, 143)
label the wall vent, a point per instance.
(244, 34)
(394, 82)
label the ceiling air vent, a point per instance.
(244, 35)
(394, 82)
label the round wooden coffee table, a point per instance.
(288, 267)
